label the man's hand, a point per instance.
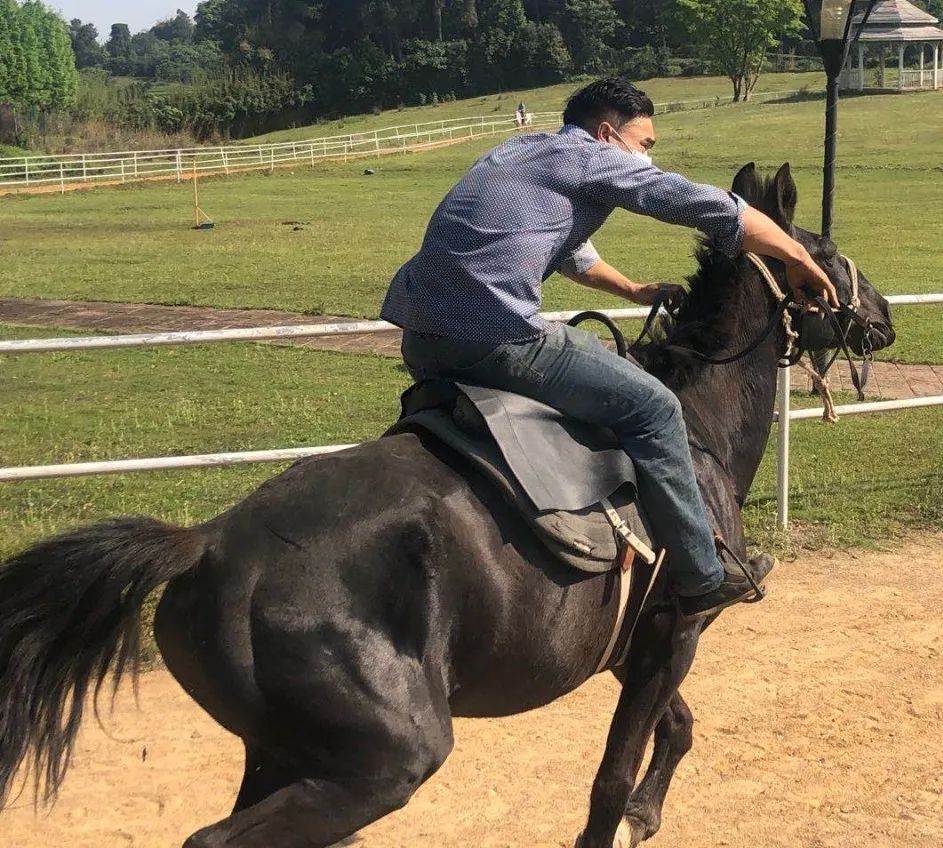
(764, 236)
(646, 295)
(807, 279)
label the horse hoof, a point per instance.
(623, 838)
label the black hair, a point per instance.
(610, 99)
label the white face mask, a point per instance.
(639, 154)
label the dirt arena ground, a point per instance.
(818, 716)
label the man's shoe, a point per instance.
(736, 587)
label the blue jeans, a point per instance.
(570, 370)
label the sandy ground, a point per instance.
(818, 724)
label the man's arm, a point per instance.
(603, 277)
(764, 236)
(616, 179)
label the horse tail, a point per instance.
(70, 610)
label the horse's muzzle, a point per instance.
(877, 336)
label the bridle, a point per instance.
(787, 309)
(834, 315)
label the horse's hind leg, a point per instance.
(673, 737)
(316, 812)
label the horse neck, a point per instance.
(729, 408)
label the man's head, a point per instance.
(614, 111)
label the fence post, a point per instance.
(26, 169)
(135, 163)
(271, 168)
(311, 151)
(179, 167)
(84, 170)
(222, 152)
(122, 170)
(782, 456)
(61, 178)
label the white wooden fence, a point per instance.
(784, 415)
(139, 165)
(44, 173)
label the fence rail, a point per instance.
(257, 334)
(41, 173)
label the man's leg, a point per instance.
(571, 371)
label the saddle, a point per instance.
(569, 480)
(561, 475)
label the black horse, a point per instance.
(338, 617)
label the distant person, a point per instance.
(469, 300)
(520, 114)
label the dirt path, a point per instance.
(818, 724)
(889, 380)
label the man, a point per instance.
(469, 300)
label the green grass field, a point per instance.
(851, 483)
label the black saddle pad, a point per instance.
(554, 469)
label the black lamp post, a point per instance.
(830, 22)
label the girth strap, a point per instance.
(638, 568)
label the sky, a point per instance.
(137, 14)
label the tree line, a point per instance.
(247, 66)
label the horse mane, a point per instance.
(711, 314)
(707, 321)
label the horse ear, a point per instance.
(746, 184)
(783, 196)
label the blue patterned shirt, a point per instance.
(526, 209)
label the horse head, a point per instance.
(872, 329)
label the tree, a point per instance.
(55, 49)
(736, 34)
(499, 25)
(590, 28)
(177, 28)
(12, 65)
(84, 37)
(541, 55)
(38, 90)
(118, 45)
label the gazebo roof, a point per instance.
(895, 21)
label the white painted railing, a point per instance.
(69, 171)
(784, 415)
(917, 79)
(140, 165)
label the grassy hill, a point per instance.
(549, 99)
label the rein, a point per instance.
(784, 301)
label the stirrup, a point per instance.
(758, 591)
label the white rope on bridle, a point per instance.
(819, 382)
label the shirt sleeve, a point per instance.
(615, 178)
(580, 260)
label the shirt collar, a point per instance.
(573, 129)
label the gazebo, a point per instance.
(899, 24)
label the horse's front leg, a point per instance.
(651, 682)
(673, 737)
